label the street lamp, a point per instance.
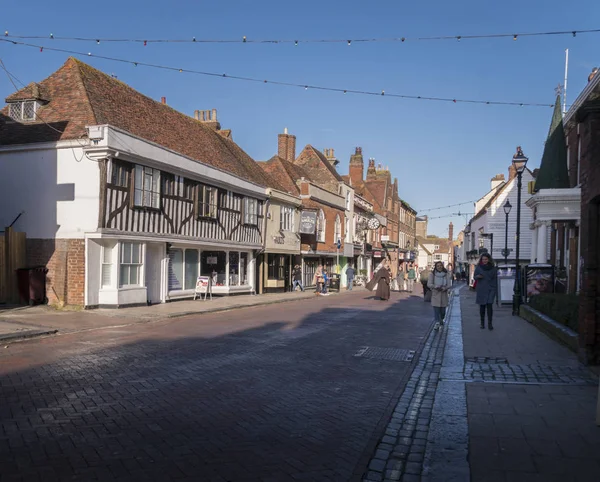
(519, 162)
(507, 207)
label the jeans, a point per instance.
(350, 283)
(439, 313)
(297, 282)
(410, 283)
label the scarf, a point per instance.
(486, 267)
(440, 279)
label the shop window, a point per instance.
(190, 268)
(130, 264)
(214, 264)
(277, 267)
(147, 187)
(175, 269)
(250, 211)
(244, 268)
(234, 266)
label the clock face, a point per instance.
(373, 223)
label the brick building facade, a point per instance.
(582, 125)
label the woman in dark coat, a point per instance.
(486, 277)
(382, 279)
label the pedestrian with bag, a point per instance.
(424, 278)
(439, 283)
(381, 279)
(486, 286)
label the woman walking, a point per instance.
(486, 280)
(382, 280)
(439, 283)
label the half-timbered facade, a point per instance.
(174, 198)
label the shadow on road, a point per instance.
(288, 400)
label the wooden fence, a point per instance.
(12, 257)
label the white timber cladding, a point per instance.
(493, 221)
(55, 187)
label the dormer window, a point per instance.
(23, 111)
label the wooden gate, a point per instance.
(12, 257)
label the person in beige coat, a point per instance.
(439, 283)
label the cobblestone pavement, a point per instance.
(299, 391)
(468, 413)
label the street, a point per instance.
(295, 391)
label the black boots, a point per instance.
(482, 326)
(490, 326)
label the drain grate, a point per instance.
(390, 354)
(485, 359)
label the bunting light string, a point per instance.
(381, 93)
(245, 40)
(444, 207)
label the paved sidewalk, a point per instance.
(42, 319)
(531, 406)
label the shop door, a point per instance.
(153, 265)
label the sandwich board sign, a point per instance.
(203, 287)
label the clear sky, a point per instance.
(441, 153)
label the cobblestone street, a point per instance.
(299, 391)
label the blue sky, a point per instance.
(441, 153)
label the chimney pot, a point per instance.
(163, 100)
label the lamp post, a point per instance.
(519, 162)
(507, 207)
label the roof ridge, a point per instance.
(78, 64)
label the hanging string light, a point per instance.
(274, 82)
(244, 39)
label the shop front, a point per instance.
(138, 271)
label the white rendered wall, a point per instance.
(58, 190)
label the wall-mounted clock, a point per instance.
(373, 223)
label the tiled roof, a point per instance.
(284, 173)
(80, 95)
(315, 164)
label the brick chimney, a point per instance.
(163, 100)
(371, 171)
(357, 167)
(330, 156)
(286, 146)
(497, 180)
(512, 172)
(208, 118)
(450, 232)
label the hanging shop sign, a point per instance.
(308, 222)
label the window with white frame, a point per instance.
(250, 211)
(207, 201)
(437, 257)
(107, 253)
(130, 264)
(286, 218)
(321, 227)
(147, 187)
(436, 247)
(338, 229)
(23, 111)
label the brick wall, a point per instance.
(65, 260)
(589, 305)
(330, 214)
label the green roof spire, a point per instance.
(554, 173)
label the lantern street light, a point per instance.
(519, 162)
(507, 207)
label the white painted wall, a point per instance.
(494, 221)
(58, 188)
